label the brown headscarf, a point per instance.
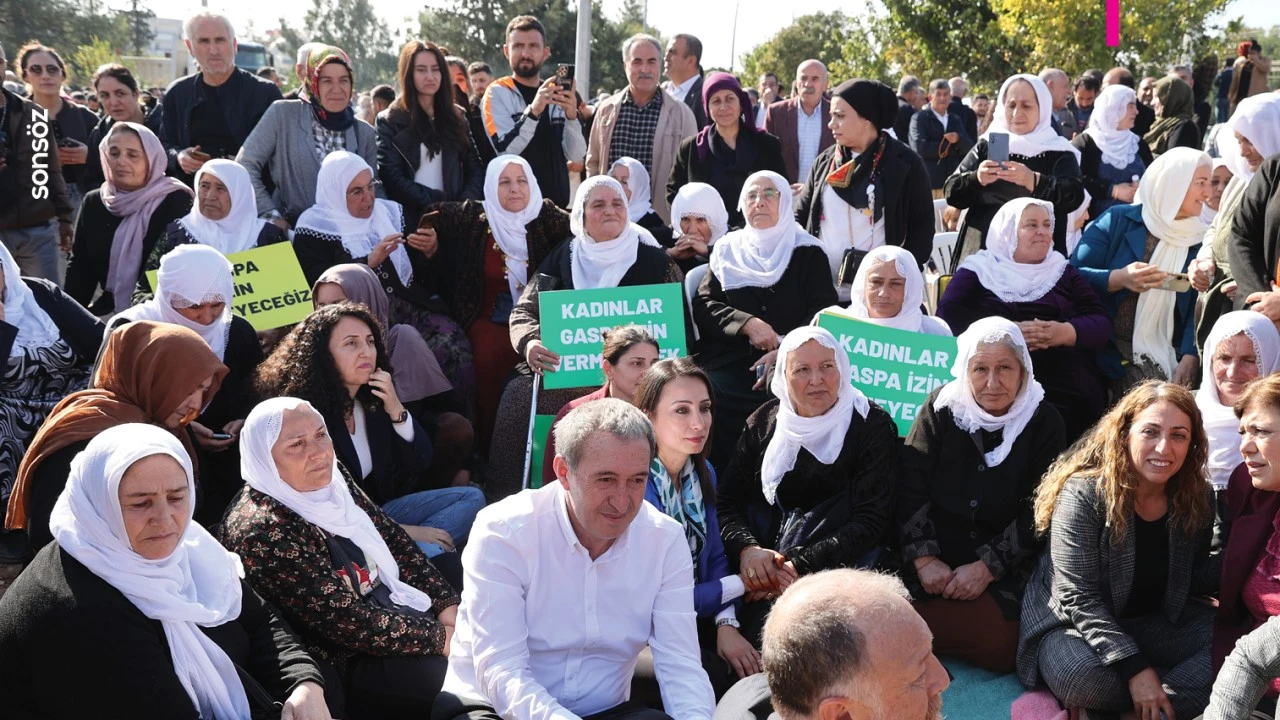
(415, 372)
(1177, 105)
(147, 370)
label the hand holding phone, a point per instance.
(428, 219)
(1176, 282)
(564, 76)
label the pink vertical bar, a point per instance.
(1113, 23)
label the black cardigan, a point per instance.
(1091, 160)
(95, 234)
(953, 506)
(317, 252)
(1060, 183)
(60, 622)
(399, 157)
(398, 466)
(77, 326)
(904, 185)
(1254, 248)
(727, 181)
(802, 291)
(864, 472)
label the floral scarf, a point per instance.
(685, 504)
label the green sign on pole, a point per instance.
(895, 368)
(574, 323)
(541, 433)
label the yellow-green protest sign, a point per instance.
(895, 368)
(270, 289)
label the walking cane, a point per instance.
(528, 446)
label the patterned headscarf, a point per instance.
(321, 56)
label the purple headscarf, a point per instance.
(714, 83)
(134, 207)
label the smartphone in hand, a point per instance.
(998, 149)
(428, 220)
(564, 76)
(1177, 282)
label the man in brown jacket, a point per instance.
(32, 192)
(641, 122)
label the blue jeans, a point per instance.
(451, 509)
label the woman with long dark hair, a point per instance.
(425, 152)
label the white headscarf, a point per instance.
(331, 508)
(1074, 233)
(35, 328)
(1207, 214)
(601, 264)
(1044, 138)
(757, 258)
(958, 394)
(1119, 147)
(358, 235)
(700, 200)
(509, 228)
(239, 230)
(191, 275)
(640, 203)
(823, 436)
(198, 585)
(1220, 422)
(910, 317)
(1010, 280)
(1163, 188)
(1258, 119)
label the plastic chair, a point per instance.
(938, 206)
(944, 245)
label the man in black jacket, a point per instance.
(684, 74)
(960, 88)
(910, 99)
(939, 136)
(209, 114)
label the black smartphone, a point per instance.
(564, 76)
(998, 148)
(220, 436)
(428, 219)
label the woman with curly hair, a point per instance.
(335, 359)
(1108, 621)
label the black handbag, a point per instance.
(849, 265)
(261, 705)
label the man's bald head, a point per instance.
(1118, 76)
(811, 83)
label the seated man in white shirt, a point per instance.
(565, 585)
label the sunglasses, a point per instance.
(44, 69)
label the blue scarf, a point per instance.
(685, 504)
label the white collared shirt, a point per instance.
(681, 91)
(546, 633)
(942, 117)
(809, 137)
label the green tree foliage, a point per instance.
(85, 59)
(138, 20)
(820, 35)
(353, 26)
(61, 24)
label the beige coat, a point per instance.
(675, 123)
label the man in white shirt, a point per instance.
(683, 66)
(565, 585)
(800, 123)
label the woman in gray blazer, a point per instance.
(1110, 620)
(294, 136)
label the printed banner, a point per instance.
(270, 289)
(574, 323)
(895, 368)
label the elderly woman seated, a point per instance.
(1109, 618)
(1020, 277)
(142, 606)
(810, 484)
(889, 291)
(698, 220)
(343, 574)
(764, 281)
(971, 464)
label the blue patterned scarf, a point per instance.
(685, 504)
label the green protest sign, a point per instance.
(573, 323)
(541, 432)
(895, 368)
(270, 289)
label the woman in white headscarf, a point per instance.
(360, 593)
(1133, 257)
(488, 251)
(698, 220)
(1021, 278)
(607, 250)
(224, 217)
(1242, 346)
(808, 487)
(971, 464)
(47, 345)
(889, 291)
(630, 173)
(1041, 164)
(1112, 156)
(141, 605)
(764, 281)
(349, 223)
(194, 290)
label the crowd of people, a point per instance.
(326, 519)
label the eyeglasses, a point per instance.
(43, 69)
(766, 195)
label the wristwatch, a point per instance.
(404, 417)
(731, 622)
